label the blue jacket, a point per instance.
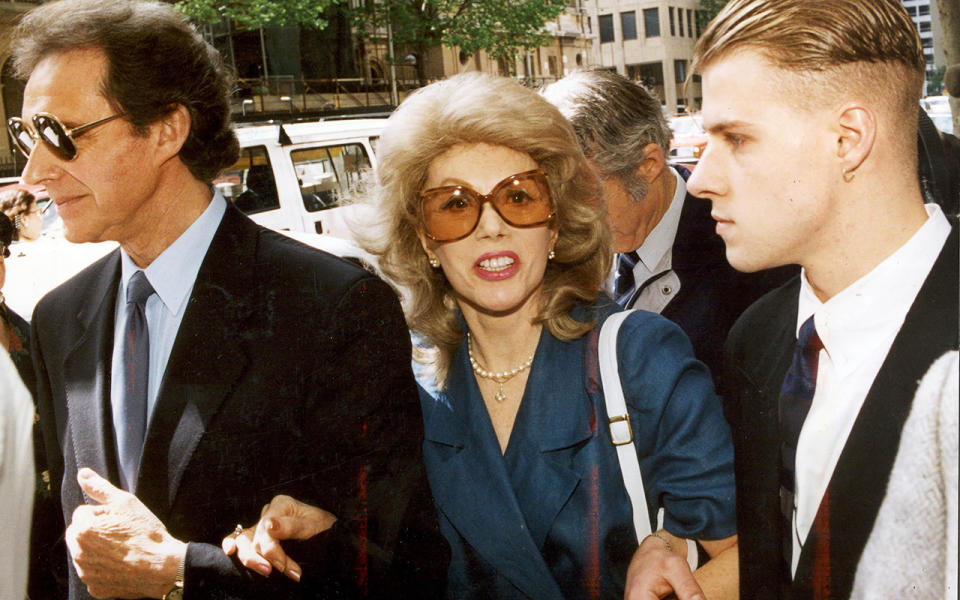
(550, 518)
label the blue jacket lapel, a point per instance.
(471, 487)
(555, 417)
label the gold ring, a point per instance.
(237, 530)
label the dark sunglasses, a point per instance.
(451, 213)
(51, 131)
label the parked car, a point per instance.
(293, 176)
(689, 139)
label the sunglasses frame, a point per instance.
(485, 198)
(33, 127)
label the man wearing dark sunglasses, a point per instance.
(208, 364)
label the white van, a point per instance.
(292, 176)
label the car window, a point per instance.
(328, 174)
(250, 183)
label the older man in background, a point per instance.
(669, 258)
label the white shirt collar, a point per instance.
(174, 271)
(660, 241)
(862, 314)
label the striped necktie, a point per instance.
(136, 369)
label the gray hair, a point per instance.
(614, 118)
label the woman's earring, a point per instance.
(848, 175)
(552, 255)
(434, 262)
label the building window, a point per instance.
(673, 31)
(696, 18)
(924, 9)
(689, 23)
(680, 70)
(579, 59)
(680, 20)
(606, 28)
(628, 25)
(651, 22)
(589, 25)
(649, 75)
(925, 27)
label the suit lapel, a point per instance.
(472, 489)
(859, 481)
(86, 371)
(555, 417)
(206, 359)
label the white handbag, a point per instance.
(622, 434)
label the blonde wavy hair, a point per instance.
(469, 109)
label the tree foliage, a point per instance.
(251, 14)
(708, 10)
(500, 27)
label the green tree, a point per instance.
(936, 79)
(251, 14)
(708, 10)
(500, 27)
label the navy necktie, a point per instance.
(136, 369)
(796, 395)
(625, 285)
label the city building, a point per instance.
(926, 18)
(650, 41)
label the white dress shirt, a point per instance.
(857, 327)
(656, 257)
(172, 275)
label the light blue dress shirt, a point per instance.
(172, 275)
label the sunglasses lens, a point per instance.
(449, 213)
(21, 136)
(51, 131)
(524, 200)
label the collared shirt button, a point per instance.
(667, 290)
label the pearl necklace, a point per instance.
(500, 378)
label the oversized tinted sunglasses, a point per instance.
(51, 131)
(452, 212)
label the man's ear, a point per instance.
(172, 131)
(856, 127)
(653, 162)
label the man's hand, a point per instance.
(119, 548)
(656, 572)
(258, 547)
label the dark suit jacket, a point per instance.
(712, 293)
(758, 356)
(290, 374)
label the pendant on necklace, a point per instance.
(500, 397)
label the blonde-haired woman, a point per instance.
(484, 214)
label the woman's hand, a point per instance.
(258, 547)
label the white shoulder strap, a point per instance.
(622, 434)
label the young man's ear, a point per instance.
(856, 133)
